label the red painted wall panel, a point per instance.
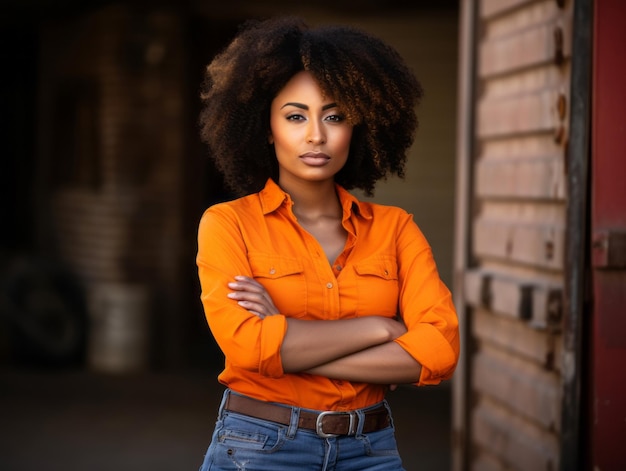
(608, 213)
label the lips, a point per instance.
(315, 159)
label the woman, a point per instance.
(318, 301)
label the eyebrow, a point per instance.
(306, 107)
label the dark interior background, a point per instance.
(103, 180)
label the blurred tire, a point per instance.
(44, 308)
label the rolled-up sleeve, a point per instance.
(247, 341)
(426, 306)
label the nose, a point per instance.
(315, 133)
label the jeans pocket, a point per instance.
(240, 432)
(381, 443)
(243, 439)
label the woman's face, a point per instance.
(310, 135)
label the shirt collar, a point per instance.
(349, 202)
(272, 197)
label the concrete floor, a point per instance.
(76, 420)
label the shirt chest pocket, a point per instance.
(377, 286)
(283, 278)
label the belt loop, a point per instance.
(293, 422)
(360, 422)
(388, 407)
(220, 413)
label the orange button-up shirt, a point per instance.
(386, 268)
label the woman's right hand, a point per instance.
(251, 295)
(395, 327)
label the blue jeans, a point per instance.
(243, 443)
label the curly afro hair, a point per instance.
(366, 77)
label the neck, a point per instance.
(313, 199)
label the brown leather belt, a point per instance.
(325, 424)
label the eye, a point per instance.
(335, 118)
(295, 117)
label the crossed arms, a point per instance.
(359, 349)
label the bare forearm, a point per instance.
(382, 364)
(308, 344)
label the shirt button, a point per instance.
(338, 267)
(329, 285)
(272, 271)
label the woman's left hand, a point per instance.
(252, 296)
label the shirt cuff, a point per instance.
(437, 355)
(272, 335)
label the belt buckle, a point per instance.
(319, 426)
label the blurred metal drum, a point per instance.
(119, 327)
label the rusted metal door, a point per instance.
(608, 226)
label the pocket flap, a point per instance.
(381, 266)
(274, 266)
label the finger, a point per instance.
(253, 289)
(248, 285)
(251, 303)
(258, 314)
(248, 296)
(248, 280)
(255, 308)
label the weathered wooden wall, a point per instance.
(513, 276)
